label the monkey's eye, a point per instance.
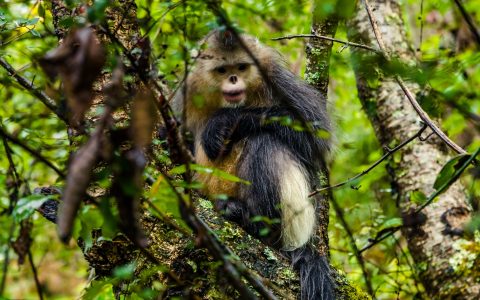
(221, 70)
(242, 67)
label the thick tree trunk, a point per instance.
(431, 243)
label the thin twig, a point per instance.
(293, 36)
(376, 30)
(44, 98)
(411, 98)
(412, 268)
(16, 177)
(166, 218)
(33, 152)
(13, 201)
(6, 259)
(388, 153)
(223, 253)
(35, 275)
(469, 20)
(375, 241)
(425, 118)
(353, 244)
(421, 26)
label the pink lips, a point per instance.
(234, 96)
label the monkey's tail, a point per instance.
(315, 278)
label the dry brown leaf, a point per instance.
(144, 118)
(78, 178)
(78, 61)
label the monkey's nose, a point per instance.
(233, 79)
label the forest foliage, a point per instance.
(35, 149)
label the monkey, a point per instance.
(240, 101)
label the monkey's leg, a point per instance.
(232, 209)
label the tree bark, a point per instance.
(432, 243)
(317, 74)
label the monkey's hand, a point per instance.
(216, 138)
(230, 125)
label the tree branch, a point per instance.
(347, 43)
(469, 20)
(33, 152)
(353, 244)
(35, 275)
(40, 95)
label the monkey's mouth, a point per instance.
(234, 96)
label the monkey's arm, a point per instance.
(230, 125)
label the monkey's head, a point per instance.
(225, 74)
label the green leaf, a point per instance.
(66, 22)
(391, 223)
(207, 170)
(418, 197)
(41, 10)
(32, 21)
(218, 173)
(35, 33)
(90, 219)
(178, 170)
(96, 12)
(27, 205)
(449, 170)
(125, 272)
(99, 289)
(110, 226)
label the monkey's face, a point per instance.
(227, 77)
(234, 80)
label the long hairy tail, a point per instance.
(315, 278)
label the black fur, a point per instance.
(261, 198)
(230, 125)
(317, 282)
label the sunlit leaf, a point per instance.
(27, 205)
(449, 169)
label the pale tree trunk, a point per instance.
(170, 246)
(432, 240)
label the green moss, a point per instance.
(288, 274)
(313, 77)
(205, 203)
(370, 107)
(466, 256)
(348, 290)
(270, 254)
